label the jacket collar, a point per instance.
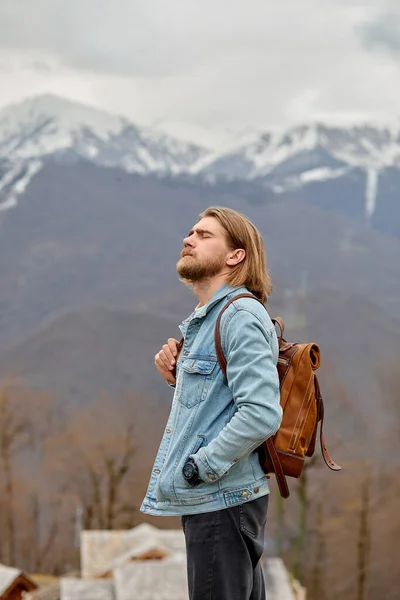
(224, 291)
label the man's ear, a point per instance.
(236, 257)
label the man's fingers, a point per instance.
(168, 354)
(173, 346)
(158, 361)
(162, 361)
(165, 360)
(163, 370)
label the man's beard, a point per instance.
(193, 270)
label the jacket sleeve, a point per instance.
(253, 380)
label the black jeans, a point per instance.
(223, 550)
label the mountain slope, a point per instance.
(84, 354)
(82, 235)
(51, 126)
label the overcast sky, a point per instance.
(204, 66)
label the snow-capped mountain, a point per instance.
(308, 154)
(297, 159)
(315, 146)
(48, 125)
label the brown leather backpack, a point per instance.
(302, 404)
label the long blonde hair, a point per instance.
(252, 271)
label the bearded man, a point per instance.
(207, 469)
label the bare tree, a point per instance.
(303, 507)
(15, 430)
(317, 579)
(92, 458)
(364, 538)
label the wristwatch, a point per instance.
(191, 472)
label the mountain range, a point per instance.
(359, 164)
(94, 211)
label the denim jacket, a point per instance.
(219, 421)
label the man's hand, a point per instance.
(165, 360)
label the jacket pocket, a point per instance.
(201, 440)
(197, 374)
(182, 487)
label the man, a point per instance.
(207, 469)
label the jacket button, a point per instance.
(157, 471)
(167, 431)
(256, 490)
(244, 494)
(211, 476)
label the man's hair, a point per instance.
(241, 233)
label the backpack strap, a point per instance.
(280, 476)
(218, 345)
(279, 321)
(325, 452)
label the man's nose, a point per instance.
(188, 241)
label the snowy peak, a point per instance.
(44, 125)
(48, 125)
(313, 153)
(364, 146)
(360, 145)
(68, 114)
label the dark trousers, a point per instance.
(223, 550)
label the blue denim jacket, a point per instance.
(216, 420)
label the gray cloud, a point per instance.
(212, 63)
(383, 34)
(155, 38)
(120, 37)
(40, 66)
(147, 38)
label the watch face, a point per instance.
(188, 470)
